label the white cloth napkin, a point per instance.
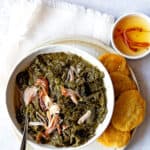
(29, 22)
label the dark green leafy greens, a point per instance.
(71, 72)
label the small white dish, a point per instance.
(112, 35)
(10, 91)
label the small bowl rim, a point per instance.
(112, 33)
(38, 51)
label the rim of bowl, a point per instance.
(70, 49)
(142, 15)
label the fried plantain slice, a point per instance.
(129, 111)
(114, 62)
(114, 138)
(122, 83)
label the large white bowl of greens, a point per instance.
(68, 96)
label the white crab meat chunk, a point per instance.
(32, 123)
(84, 117)
(29, 94)
(54, 109)
(48, 101)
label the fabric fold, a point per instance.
(32, 22)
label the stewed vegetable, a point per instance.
(64, 98)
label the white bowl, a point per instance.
(112, 33)
(10, 91)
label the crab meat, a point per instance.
(45, 100)
(70, 93)
(54, 109)
(41, 118)
(39, 136)
(32, 123)
(53, 122)
(64, 127)
(42, 82)
(29, 94)
(59, 129)
(71, 73)
(84, 117)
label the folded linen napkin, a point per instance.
(30, 22)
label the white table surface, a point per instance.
(141, 68)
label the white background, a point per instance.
(140, 67)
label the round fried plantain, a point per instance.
(129, 111)
(122, 83)
(114, 138)
(114, 62)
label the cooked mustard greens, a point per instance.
(74, 87)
